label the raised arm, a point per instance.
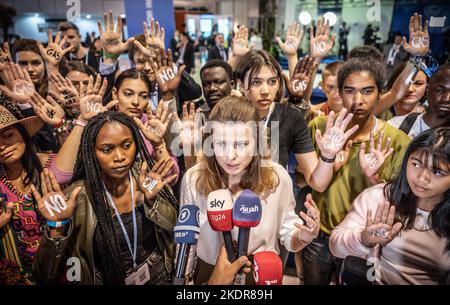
(419, 45)
(241, 47)
(54, 51)
(320, 45)
(90, 106)
(294, 36)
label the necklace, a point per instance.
(7, 182)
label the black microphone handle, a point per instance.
(229, 245)
(178, 281)
(181, 263)
(243, 237)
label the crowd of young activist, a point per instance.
(97, 162)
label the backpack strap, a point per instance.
(408, 122)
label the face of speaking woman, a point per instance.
(234, 150)
(234, 146)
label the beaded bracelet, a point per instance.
(65, 128)
(57, 224)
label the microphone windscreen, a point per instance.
(187, 227)
(247, 210)
(267, 268)
(220, 210)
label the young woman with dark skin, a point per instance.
(21, 167)
(114, 188)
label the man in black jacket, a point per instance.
(218, 51)
(186, 53)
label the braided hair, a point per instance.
(88, 169)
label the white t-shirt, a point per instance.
(418, 127)
(277, 221)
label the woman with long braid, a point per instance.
(21, 225)
(122, 228)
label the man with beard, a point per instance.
(438, 112)
(218, 51)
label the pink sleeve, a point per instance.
(62, 177)
(345, 239)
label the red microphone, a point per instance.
(267, 268)
(220, 216)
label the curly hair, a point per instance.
(353, 65)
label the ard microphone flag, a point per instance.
(186, 234)
(187, 226)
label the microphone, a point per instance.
(186, 234)
(247, 212)
(267, 268)
(220, 216)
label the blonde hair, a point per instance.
(260, 179)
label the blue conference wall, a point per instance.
(162, 10)
(400, 23)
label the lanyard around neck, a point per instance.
(119, 218)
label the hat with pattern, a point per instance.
(32, 124)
